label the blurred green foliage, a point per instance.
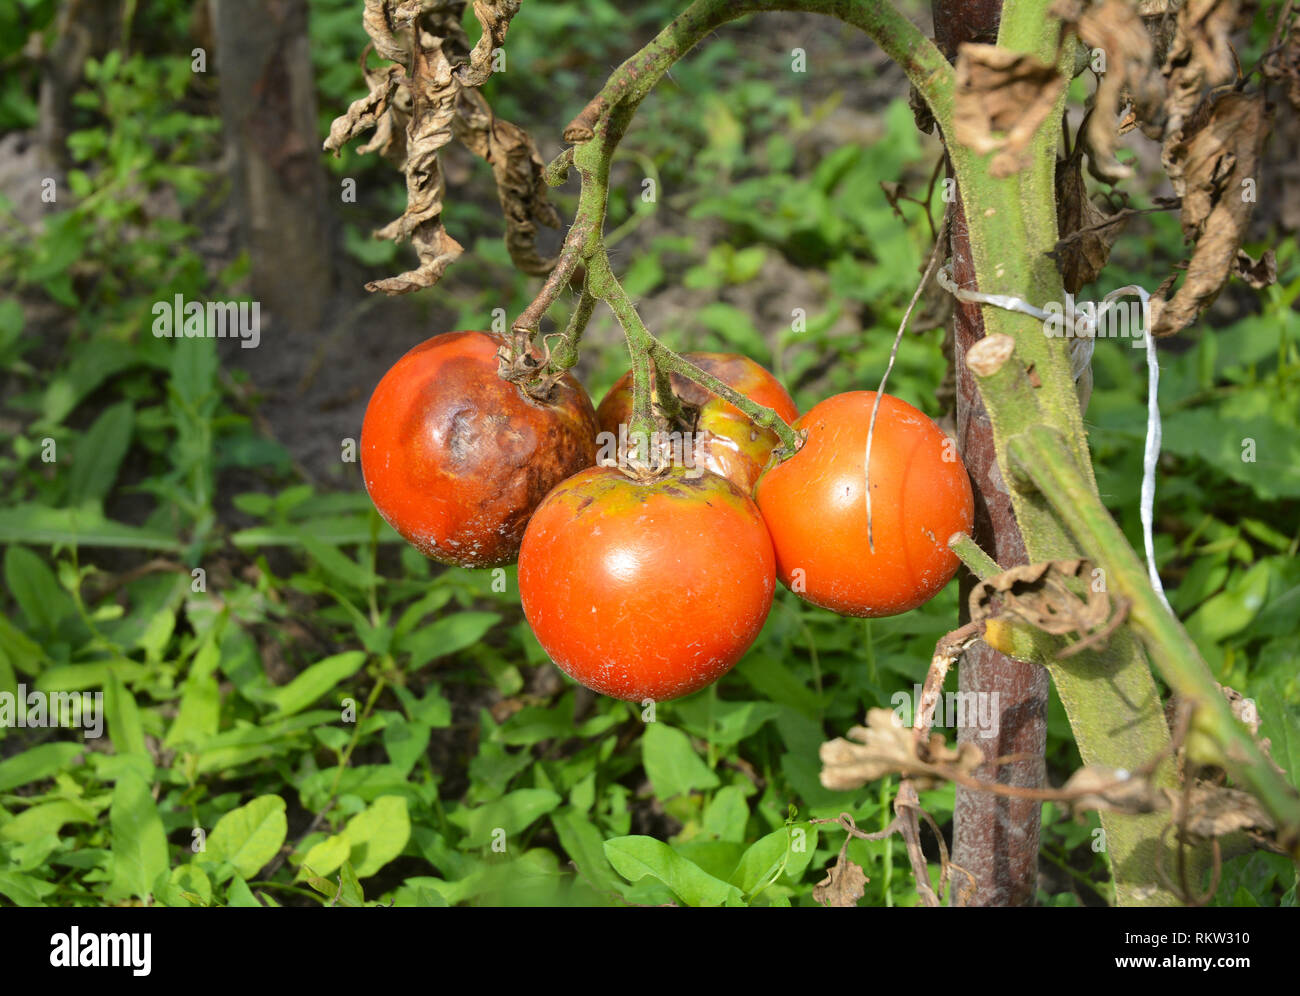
(301, 709)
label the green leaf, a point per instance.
(405, 742)
(374, 837)
(238, 894)
(36, 764)
(1279, 722)
(727, 814)
(336, 529)
(24, 653)
(194, 369)
(92, 364)
(98, 454)
(511, 814)
(46, 818)
(250, 836)
(125, 728)
(339, 565)
(1231, 610)
(139, 841)
(775, 681)
(636, 857)
(189, 885)
(24, 890)
(583, 844)
(776, 852)
(315, 682)
(199, 715)
(77, 527)
(350, 893)
(671, 763)
(723, 723)
(36, 590)
(447, 636)
(324, 857)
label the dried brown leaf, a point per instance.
(1200, 56)
(419, 105)
(843, 885)
(1283, 66)
(1115, 28)
(1001, 98)
(1213, 811)
(1212, 164)
(1258, 273)
(1086, 237)
(383, 34)
(368, 112)
(885, 747)
(436, 249)
(1105, 789)
(517, 168)
(494, 17)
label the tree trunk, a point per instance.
(268, 108)
(994, 838)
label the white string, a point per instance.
(1081, 347)
(1151, 453)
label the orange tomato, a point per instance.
(456, 459)
(646, 589)
(815, 507)
(725, 441)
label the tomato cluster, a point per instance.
(652, 584)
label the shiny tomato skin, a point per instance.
(815, 507)
(727, 443)
(456, 459)
(646, 590)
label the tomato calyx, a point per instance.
(784, 453)
(520, 363)
(635, 469)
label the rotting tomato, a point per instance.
(455, 458)
(815, 507)
(646, 589)
(725, 441)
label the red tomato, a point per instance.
(456, 459)
(725, 441)
(815, 507)
(646, 590)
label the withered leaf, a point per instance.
(1001, 99)
(1086, 237)
(494, 18)
(1258, 273)
(843, 885)
(517, 168)
(1213, 811)
(1200, 56)
(1212, 164)
(1242, 707)
(884, 747)
(1115, 28)
(424, 101)
(375, 19)
(367, 112)
(1283, 66)
(1103, 789)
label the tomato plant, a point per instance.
(456, 458)
(723, 439)
(646, 589)
(815, 507)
